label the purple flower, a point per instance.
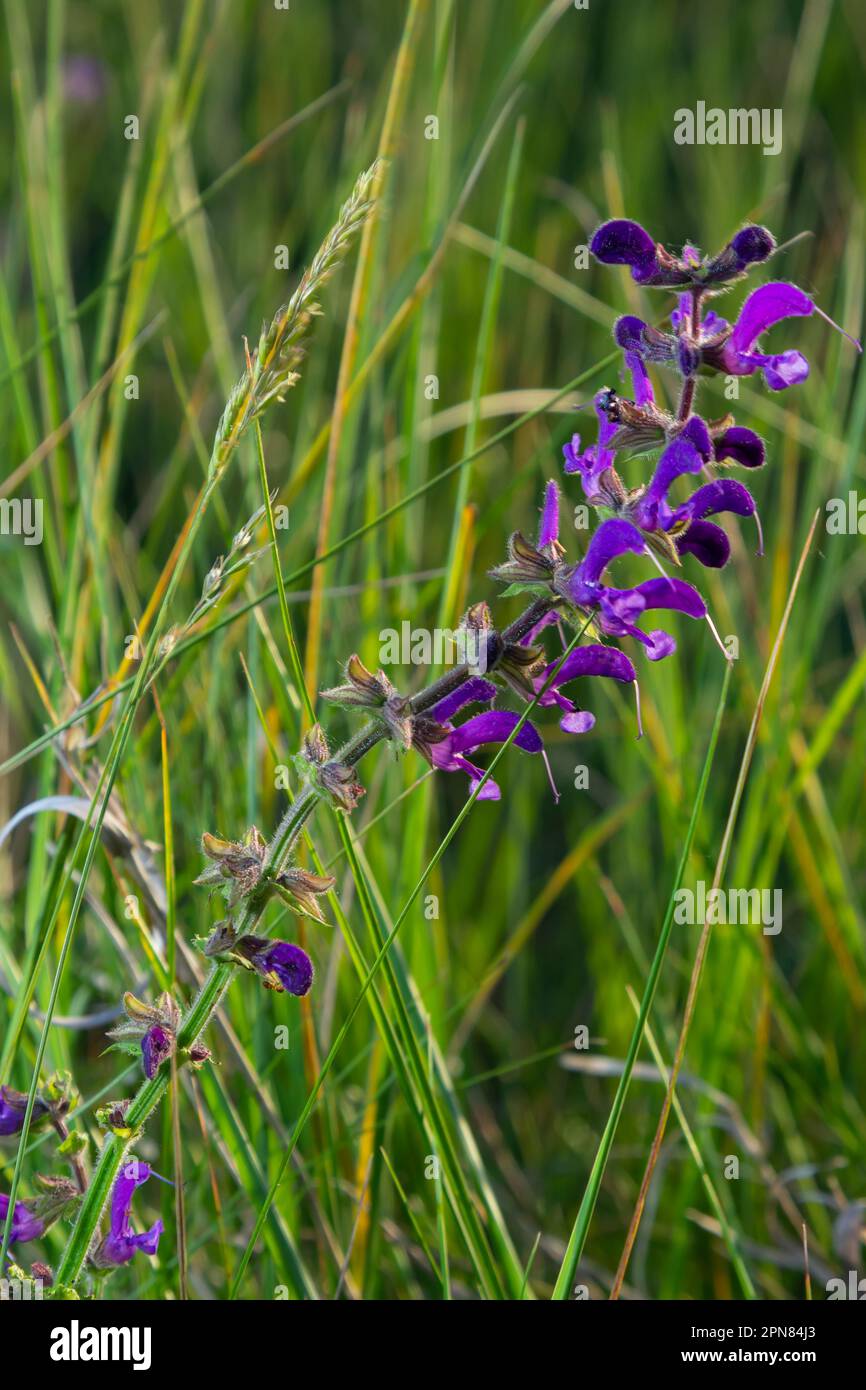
(548, 530)
(594, 659)
(619, 609)
(157, 1045)
(680, 456)
(595, 460)
(120, 1244)
(25, 1226)
(282, 965)
(13, 1106)
(290, 964)
(735, 353)
(622, 242)
(707, 542)
(762, 309)
(491, 726)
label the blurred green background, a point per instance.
(550, 119)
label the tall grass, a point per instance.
(464, 945)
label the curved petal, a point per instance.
(613, 538)
(621, 242)
(595, 659)
(474, 691)
(742, 445)
(678, 457)
(628, 333)
(763, 308)
(494, 726)
(707, 542)
(675, 594)
(721, 495)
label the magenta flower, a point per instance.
(25, 1226)
(121, 1244)
(491, 726)
(594, 659)
(597, 458)
(703, 539)
(619, 609)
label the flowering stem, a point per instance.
(210, 995)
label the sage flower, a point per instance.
(13, 1107)
(623, 242)
(618, 609)
(25, 1225)
(282, 965)
(121, 1244)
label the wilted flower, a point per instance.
(335, 780)
(153, 1026)
(121, 1244)
(13, 1106)
(282, 965)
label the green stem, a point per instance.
(210, 995)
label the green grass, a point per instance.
(463, 944)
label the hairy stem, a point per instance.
(209, 997)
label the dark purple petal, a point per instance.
(628, 333)
(549, 529)
(474, 691)
(121, 1244)
(698, 435)
(707, 542)
(688, 358)
(494, 726)
(13, 1107)
(25, 1226)
(157, 1045)
(621, 242)
(765, 307)
(742, 445)
(722, 495)
(291, 965)
(752, 244)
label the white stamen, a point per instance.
(550, 776)
(760, 532)
(637, 707)
(714, 630)
(856, 341)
